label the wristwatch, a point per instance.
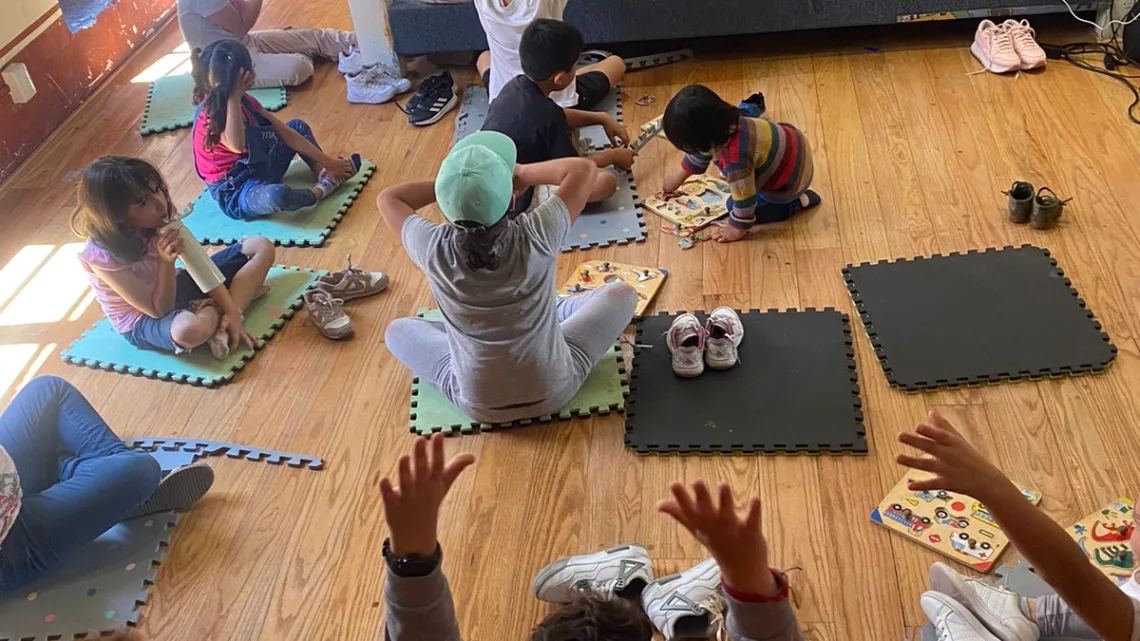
(414, 565)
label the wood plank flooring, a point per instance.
(911, 154)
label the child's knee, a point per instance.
(622, 293)
(190, 330)
(605, 184)
(483, 62)
(258, 247)
(614, 68)
(140, 472)
(300, 69)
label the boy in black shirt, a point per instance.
(540, 129)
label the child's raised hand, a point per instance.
(736, 542)
(617, 134)
(168, 242)
(244, 83)
(957, 466)
(412, 507)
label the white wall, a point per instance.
(16, 15)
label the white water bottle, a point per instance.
(194, 258)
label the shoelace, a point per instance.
(1023, 34)
(1001, 40)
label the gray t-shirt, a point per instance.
(197, 28)
(507, 348)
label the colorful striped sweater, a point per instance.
(761, 157)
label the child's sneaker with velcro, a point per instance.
(723, 334)
(686, 341)
(623, 571)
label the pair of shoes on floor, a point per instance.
(715, 343)
(688, 605)
(177, 491)
(327, 183)
(435, 97)
(370, 84)
(1010, 46)
(325, 302)
(1041, 210)
(965, 609)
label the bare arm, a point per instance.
(399, 202)
(238, 17)
(156, 302)
(578, 118)
(574, 177)
(233, 136)
(958, 467)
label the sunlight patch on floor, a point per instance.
(13, 360)
(20, 269)
(51, 293)
(172, 64)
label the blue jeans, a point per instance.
(77, 477)
(254, 190)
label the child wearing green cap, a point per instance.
(507, 347)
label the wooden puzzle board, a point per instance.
(953, 525)
(701, 200)
(1103, 537)
(595, 273)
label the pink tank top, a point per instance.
(213, 163)
(122, 315)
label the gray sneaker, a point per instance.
(622, 571)
(351, 283)
(180, 489)
(1020, 202)
(1047, 209)
(327, 314)
(689, 605)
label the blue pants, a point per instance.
(77, 477)
(256, 190)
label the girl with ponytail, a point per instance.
(242, 151)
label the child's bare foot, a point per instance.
(219, 344)
(727, 234)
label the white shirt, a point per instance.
(504, 27)
(10, 494)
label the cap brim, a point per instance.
(498, 143)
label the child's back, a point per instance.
(504, 22)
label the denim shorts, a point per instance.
(154, 333)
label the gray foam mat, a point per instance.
(100, 589)
(617, 220)
(473, 105)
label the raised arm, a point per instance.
(399, 202)
(574, 177)
(958, 467)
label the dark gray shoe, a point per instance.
(1020, 202)
(1047, 209)
(178, 490)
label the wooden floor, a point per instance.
(911, 154)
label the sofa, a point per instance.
(420, 27)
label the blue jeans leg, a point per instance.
(77, 477)
(258, 199)
(281, 155)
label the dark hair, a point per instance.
(479, 245)
(216, 70)
(596, 618)
(548, 47)
(697, 120)
(107, 189)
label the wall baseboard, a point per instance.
(67, 68)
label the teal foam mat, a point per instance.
(308, 227)
(603, 391)
(101, 347)
(169, 107)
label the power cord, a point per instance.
(1111, 58)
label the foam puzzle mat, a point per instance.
(978, 317)
(100, 589)
(171, 448)
(795, 389)
(169, 107)
(473, 105)
(309, 227)
(101, 347)
(603, 391)
(616, 220)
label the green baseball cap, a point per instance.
(476, 181)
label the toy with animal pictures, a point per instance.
(646, 281)
(1104, 538)
(954, 525)
(699, 201)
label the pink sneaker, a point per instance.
(686, 341)
(1025, 44)
(993, 47)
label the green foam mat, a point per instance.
(101, 347)
(603, 391)
(169, 106)
(309, 227)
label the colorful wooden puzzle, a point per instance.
(1104, 538)
(595, 273)
(700, 201)
(954, 525)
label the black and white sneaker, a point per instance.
(435, 97)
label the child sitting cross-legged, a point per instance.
(539, 127)
(768, 166)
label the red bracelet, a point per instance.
(745, 597)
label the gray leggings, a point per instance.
(590, 324)
(1055, 619)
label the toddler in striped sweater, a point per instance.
(767, 165)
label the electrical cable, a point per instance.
(1110, 23)
(1112, 56)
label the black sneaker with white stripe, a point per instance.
(435, 97)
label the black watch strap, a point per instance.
(414, 565)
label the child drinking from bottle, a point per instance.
(126, 217)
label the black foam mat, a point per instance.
(978, 317)
(795, 389)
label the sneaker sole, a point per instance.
(720, 366)
(178, 491)
(946, 581)
(554, 568)
(337, 337)
(688, 373)
(442, 112)
(988, 64)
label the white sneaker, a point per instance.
(350, 63)
(375, 85)
(951, 620)
(686, 341)
(688, 605)
(998, 609)
(622, 571)
(725, 332)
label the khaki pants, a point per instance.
(284, 58)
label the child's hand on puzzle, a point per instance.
(412, 507)
(168, 242)
(735, 541)
(674, 178)
(617, 134)
(957, 466)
